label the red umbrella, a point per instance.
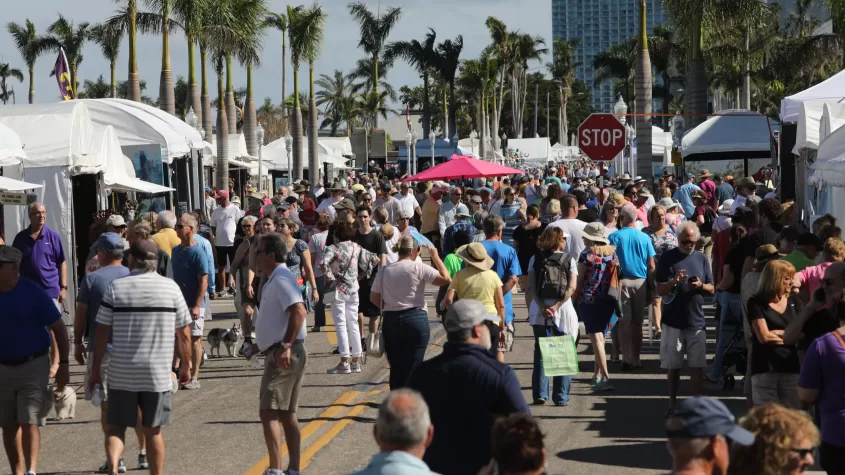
(462, 166)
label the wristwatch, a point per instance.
(285, 346)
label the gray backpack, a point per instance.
(553, 273)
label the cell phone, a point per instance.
(693, 279)
(819, 294)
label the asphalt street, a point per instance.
(216, 428)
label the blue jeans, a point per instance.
(320, 307)
(539, 380)
(730, 322)
(406, 335)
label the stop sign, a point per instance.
(601, 137)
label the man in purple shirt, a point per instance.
(43, 257)
(708, 186)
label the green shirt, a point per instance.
(453, 264)
(799, 260)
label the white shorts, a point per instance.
(104, 375)
(675, 343)
(197, 326)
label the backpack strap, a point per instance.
(839, 337)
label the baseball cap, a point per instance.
(143, 249)
(284, 206)
(10, 255)
(222, 194)
(766, 252)
(385, 187)
(109, 241)
(116, 221)
(462, 210)
(690, 175)
(703, 417)
(467, 313)
(207, 188)
(809, 239)
(345, 204)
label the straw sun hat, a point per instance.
(474, 254)
(595, 232)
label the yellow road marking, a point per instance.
(336, 408)
(331, 334)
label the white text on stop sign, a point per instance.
(603, 137)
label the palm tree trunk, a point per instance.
(167, 99)
(204, 99)
(495, 131)
(746, 76)
(230, 98)
(222, 136)
(445, 125)
(482, 121)
(32, 84)
(249, 116)
(284, 76)
(113, 82)
(313, 155)
(426, 111)
(563, 127)
(134, 84)
(517, 131)
(296, 124)
(698, 90)
(453, 111)
(193, 89)
(643, 103)
(376, 121)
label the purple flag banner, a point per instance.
(62, 72)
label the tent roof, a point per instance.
(735, 134)
(54, 134)
(809, 119)
(832, 90)
(8, 184)
(11, 147)
(191, 134)
(237, 147)
(463, 167)
(532, 149)
(114, 173)
(660, 141)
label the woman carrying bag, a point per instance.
(552, 277)
(399, 289)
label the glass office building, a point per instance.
(600, 24)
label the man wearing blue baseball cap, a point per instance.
(699, 429)
(684, 195)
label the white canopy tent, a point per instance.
(735, 134)
(115, 175)
(830, 91)
(275, 153)
(8, 184)
(179, 126)
(532, 150)
(661, 142)
(11, 147)
(828, 176)
(833, 117)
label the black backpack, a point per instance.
(552, 275)
(709, 219)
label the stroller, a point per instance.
(736, 356)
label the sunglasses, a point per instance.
(802, 453)
(403, 219)
(687, 242)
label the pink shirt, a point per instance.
(642, 214)
(402, 284)
(811, 277)
(709, 188)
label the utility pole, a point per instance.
(536, 105)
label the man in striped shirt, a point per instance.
(140, 312)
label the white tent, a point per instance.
(11, 147)
(237, 147)
(115, 175)
(8, 184)
(828, 175)
(734, 135)
(536, 149)
(833, 117)
(830, 91)
(661, 142)
(335, 146)
(275, 153)
(191, 134)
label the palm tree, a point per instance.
(363, 71)
(109, 38)
(423, 57)
(279, 22)
(370, 107)
(167, 100)
(476, 79)
(333, 92)
(312, 46)
(190, 14)
(525, 48)
(98, 89)
(64, 34)
(30, 46)
(501, 51)
(448, 60)
(130, 21)
(7, 72)
(643, 104)
(562, 68)
(374, 32)
(663, 53)
(251, 21)
(618, 63)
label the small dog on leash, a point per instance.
(64, 402)
(228, 337)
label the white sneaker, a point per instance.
(341, 368)
(355, 367)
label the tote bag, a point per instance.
(559, 355)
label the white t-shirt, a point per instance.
(225, 220)
(280, 293)
(574, 235)
(409, 203)
(738, 201)
(327, 207)
(402, 284)
(565, 319)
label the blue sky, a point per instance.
(448, 17)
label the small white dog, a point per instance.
(64, 402)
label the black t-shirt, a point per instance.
(735, 260)
(686, 311)
(527, 240)
(372, 241)
(822, 322)
(768, 234)
(588, 215)
(773, 358)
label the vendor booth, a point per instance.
(736, 142)
(827, 178)
(536, 152)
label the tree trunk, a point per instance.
(113, 83)
(563, 127)
(426, 111)
(453, 111)
(746, 76)
(204, 98)
(376, 120)
(284, 76)
(222, 138)
(445, 125)
(296, 114)
(698, 90)
(166, 97)
(232, 114)
(193, 89)
(134, 84)
(495, 132)
(643, 104)
(313, 119)
(482, 120)
(32, 84)
(249, 126)
(497, 109)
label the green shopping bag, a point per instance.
(559, 355)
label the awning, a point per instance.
(240, 164)
(138, 185)
(8, 184)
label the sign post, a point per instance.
(601, 137)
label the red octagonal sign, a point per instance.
(601, 137)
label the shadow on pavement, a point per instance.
(646, 455)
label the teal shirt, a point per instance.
(633, 247)
(395, 463)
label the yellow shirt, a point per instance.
(477, 284)
(166, 239)
(430, 212)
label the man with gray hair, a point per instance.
(466, 389)
(142, 347)
(446, 215)
(403, 431)
(684, 274)
(636, 261)
(143, 230)
(166, 238)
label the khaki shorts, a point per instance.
(104, 375)
(280, 388)
(156, 408)
(23, 392)
(198, 326)
(675, 343)
(633, 300)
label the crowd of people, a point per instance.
(607, 258)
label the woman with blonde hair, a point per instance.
(774, 365)
(609, 217)
(551, 312)
(784, 440)
(399, 290)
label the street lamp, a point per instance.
(472, 136)
(259, 134)
(630, 133)
(677, 131)
(289, 147)
(431, 138)
(414, 151)
(620, 109)
(455, 139)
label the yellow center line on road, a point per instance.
(331, 334)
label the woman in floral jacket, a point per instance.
(344, 263)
